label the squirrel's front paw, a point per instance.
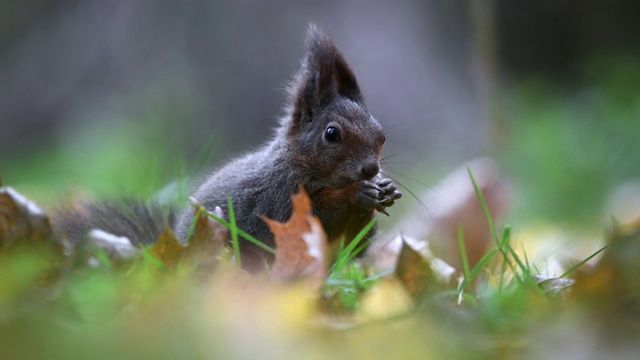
(377, 195)
(389, 192)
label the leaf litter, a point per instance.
(402, 291)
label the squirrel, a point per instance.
(327, 142)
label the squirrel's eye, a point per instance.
(332, 134)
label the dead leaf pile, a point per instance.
(149, 290)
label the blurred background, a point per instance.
(125, 97)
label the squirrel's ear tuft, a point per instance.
(325, 74)
(333, 71)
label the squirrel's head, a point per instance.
(329, 128)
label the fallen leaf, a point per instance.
(300, 244)
(413, 270)
(21, 220)
(418, 270)
(207, 242)
(167, 249)
(25, 226)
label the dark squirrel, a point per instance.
(327, 142)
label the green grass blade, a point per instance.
(526, 274)
(103, 258)
(242, 233)
(526, 258)
(358, 239)
(234, 232)
(192, 226)
(464, 259)
(347, 254)
(483, 204)
(148, 258)
(482, 263)
(576, 266)
(378, 275)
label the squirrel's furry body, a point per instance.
(327, 142)
(341, 174)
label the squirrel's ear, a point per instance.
(324, 75)
(331, 69)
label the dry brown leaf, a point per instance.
(413, 270)
(167, 248)
(301, 244)
(418, 270)
(22, 222)
(206, 243)
(25, 226)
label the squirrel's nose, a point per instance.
(370, 170)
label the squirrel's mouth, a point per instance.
(344, 181)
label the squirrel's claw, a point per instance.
(381, 209)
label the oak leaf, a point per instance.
(301, 244)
